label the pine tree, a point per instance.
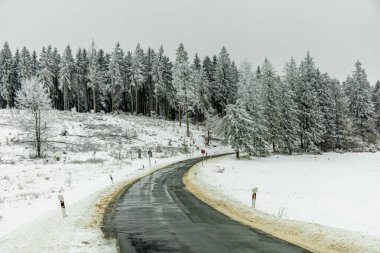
(326, 106)
(66, 76)
(149, 84)
(170, 101)
(55, 67)
(25, 64)
(291, 101)
(80, 79)
(128, 61)
(342, 122)
(46, 72)
(161, 76)
(209, 69)
(201, 91)
(376, 102)
(6, 73)
(16, 71)
(103, 97)
(138, 74)
(249, 98)
(115, 73)
(360, 105)
(237, 129)
(181, 82)
(94, 75)
(310, 117)
(34, 64)
(289, 116)
(271, 103)
(225, 82)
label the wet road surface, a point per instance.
(156, 214)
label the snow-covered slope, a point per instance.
(338, 190)
(84, 150)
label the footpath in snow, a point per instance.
(333, 190)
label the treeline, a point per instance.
(261, 111)
(302, 110)
(142, 81)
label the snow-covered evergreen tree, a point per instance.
(161, 75)
(376, 102)
(56, 62)
(25, 65)
(45, 72)
(95, 76)
(201, 98)
(341, 138)
(209, 68)
(6, 74)
(290, 100)
(34, 64)
(289, 117)
(116, 75)
(361, 108)
(80, 80)
(148, 99)
(16, 71)
(310, 114)
(237, 130)
(66, 77)
(182, 84)
(249, 98)
(225, 86)
(270, 92)
(326, 106)
(104, 97)
(128, 61)
(138, 74)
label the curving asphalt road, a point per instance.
(156, 214)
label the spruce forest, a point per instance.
(255, 109)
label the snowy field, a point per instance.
(83, 150)
(337, 190)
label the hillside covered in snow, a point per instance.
(80, 153)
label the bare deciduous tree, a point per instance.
(34, 97)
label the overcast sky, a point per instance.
(336, 32)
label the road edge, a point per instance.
(309, 236)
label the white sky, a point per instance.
(336, 32)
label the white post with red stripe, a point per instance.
(254, 192)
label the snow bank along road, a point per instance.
(327, 200)
(156, 214)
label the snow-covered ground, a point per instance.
(337, 190)
(85, 149)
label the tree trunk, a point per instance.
(38, 133)
(237, 154)
(94, 99)
(208, 137)
(78, 103)
(137, 105)
(187, 114)
(180, 118)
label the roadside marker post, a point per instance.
(111, 178)
(254, 191)
(150, 154)
(63, 209)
